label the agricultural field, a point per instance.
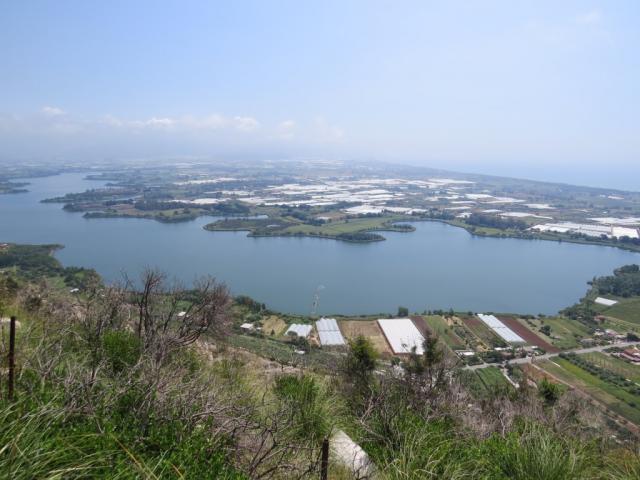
(369, 329)
(484, 381)
(492, 378)
(627, 310)
(482, 332)
(612, 396)
(282, 352)
(564, 334)
(530, 337)
(616, 365)
(438, 325)
(275, 324)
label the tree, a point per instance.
(425, 375)
(403, 312)
(169, 316)
(549, 392)
(358, 367)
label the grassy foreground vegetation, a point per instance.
(148, 381)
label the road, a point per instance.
(546, 356)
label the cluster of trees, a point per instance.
(625, 282)
(403, 227)
(149, 205)
(359, 237)
(437, 214)
(493, 221)
(250, 303)
(582, 312)
(628, 240)
(603, 373)
(304, 216)
(37, 261)
(94, 195)
(229, 208)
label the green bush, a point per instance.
(121, 349)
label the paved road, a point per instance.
(550, 355)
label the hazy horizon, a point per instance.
(535, 90)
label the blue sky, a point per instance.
(527, 88)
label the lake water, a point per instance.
(437, 266)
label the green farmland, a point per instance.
(484, 381)
(612, 396)
(565, 333)
(616, 365)
(438, 325)
(627, 309)
(482, 332)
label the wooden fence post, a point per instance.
(324, 465)
(12, 355)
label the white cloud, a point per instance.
(589, 18)
(286, 130)
(210, 122)
(62, 132)
(52, 111)
(245, 124)
(159, 122)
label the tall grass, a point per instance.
(46, 442)
(533, 452)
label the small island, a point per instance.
(354, 230)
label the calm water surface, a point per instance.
(437, 266)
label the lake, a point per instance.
(436, 267)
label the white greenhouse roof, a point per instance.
(329, 332)
(299, 329)
(605, 301)
(501, 329)
(402, 335)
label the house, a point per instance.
(631, 354)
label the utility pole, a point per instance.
(12, 355)
(324, 465)
(316, 301)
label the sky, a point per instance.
(537, 89)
